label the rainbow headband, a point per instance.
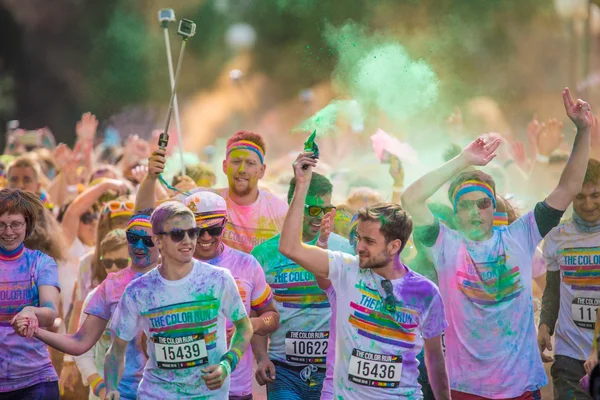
(472, 186)
(500, 219)
(247, 145)
(139, 220)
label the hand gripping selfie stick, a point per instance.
(165, 17)
(186, 30)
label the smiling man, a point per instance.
(572, 294)
(294, 367)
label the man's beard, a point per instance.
(382, 260)
(241, 193)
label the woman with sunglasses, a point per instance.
(485, 273)
(99, 308)
(29, 293)
(114, 215)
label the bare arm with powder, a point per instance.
(311, 258)
(146, 197)
(114, 364)
(27, 321)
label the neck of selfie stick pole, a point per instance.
(174, 88)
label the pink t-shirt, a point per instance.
(23, 362)
(249, 226)
(256, 294)
(491, 346)
(327, 391)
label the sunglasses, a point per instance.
(212, 231)
(390, 301)
(121, 263)
(177, 235)
(134, 239)
(88, 218)
(315, 211)
(482, 204)
(113, 207)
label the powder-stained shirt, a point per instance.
(304, 311)
(103, 305)
(23, 362)
(249, 226)
(377, 345)
(486, 287)
(577, 256)
(256, 294)
(184, 321)
(327, 391)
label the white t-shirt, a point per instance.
(184, 322)
(68, 271)
(376, 352)
(491, 345)
(577, 256)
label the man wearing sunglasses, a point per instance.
(210, 211)
(101, 306)
(182, 307)
(385, 312)
(485, 272)
(294, 367)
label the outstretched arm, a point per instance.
(311, 258)
(414, 197)
(571, 180)
(78, 343)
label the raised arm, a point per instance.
(146, 197)
(571, 179)
(311, 258)
(80, 342)
(415, 196)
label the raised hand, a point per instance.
(304, 175)
(156, 163)
(64, 158)
(397, 171)
(550, 137)
(327, 224)
(86, 127)
(139, 172)
(480, 152)
(579, 112)
(517, 151)
(595, 138)
(534, 128)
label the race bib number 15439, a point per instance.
(180, 352)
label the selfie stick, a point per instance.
(166, 16)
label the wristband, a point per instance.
(232, 358)
(320, 243)
(95, 383)
(398, 188)
(98, 388)
(68, 358)
(542, 158)
(226, 367)
(237, 352)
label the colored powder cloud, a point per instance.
(379, 74)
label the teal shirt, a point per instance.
(304, 310)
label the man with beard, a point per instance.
(294, 367)
(385, 312)
(101, 307)
(572, 294)
(254, 215)
(485, 272)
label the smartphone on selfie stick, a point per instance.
(187, 29)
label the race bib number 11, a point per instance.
(375, 370)
(180, 352)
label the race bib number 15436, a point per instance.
(376, 370)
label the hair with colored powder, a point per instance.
(198, 173)
(470, 175)
(319, 186)
(592, 173)
(113, 241)
(362, 196)
(16, 201)
(395, 222)
(166, 212)
(47, 236)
